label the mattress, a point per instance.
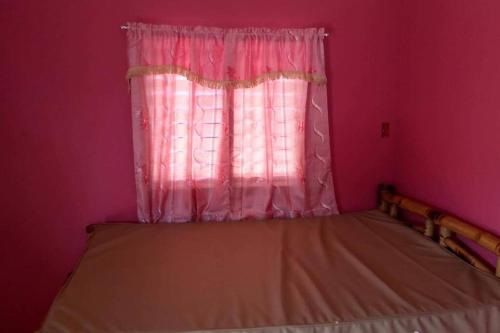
(360, 272)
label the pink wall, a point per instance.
(430, 67)
(65, 120)
(447, 126)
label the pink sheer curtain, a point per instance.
(229, 124)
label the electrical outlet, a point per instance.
(384, 132)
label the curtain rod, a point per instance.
(125, 27)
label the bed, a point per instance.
(357, 272)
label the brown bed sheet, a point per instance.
(360, 272)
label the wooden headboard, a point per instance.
(449, 226)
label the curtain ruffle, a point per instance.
(226, 58)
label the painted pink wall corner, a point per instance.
(447, 125)
(65, 120)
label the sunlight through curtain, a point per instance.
(229, 124)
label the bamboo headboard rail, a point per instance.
(481, 237)
(391, 202)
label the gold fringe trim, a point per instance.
(217, 84)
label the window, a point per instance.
(262, 131)
(229, 124)
(267, 131)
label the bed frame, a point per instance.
(449, 228)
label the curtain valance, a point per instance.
(226, 58)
